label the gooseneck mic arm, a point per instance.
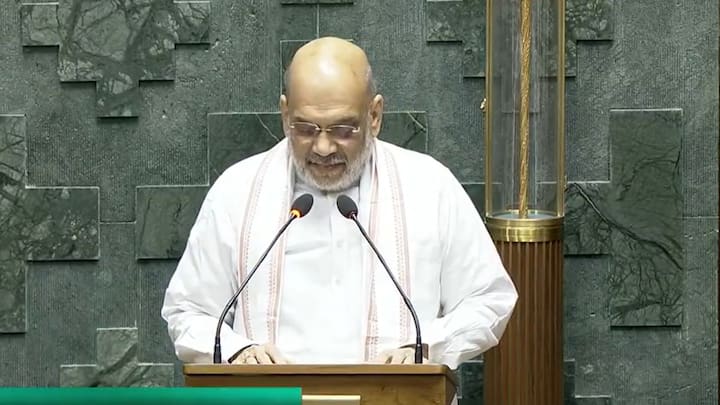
(301, 206)
(348, 209)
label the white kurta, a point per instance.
(323, 297)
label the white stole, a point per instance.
(387, 322)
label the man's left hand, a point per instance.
(403, 355)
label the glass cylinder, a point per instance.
(524, 119)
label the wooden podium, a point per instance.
(387, 384)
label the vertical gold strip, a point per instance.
(540, 280)
(525, 42)
(561, 178)
(488, 106)
(529, 255)
(560, 266)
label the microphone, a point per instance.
(348, 209)
(300, 207)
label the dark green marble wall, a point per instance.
(115, 117)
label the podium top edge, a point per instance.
(191, 369)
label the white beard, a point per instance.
(353, 170)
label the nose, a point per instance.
(324, 145)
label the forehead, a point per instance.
(326, 114)
(317, 95)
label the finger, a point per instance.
(382, 358)
(280, 359)
(263, 358)
(275, 355)
(239, 359)
(410, 358)
(398, 357)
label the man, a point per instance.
(321, 296)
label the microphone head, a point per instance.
(346, 206)
(301, 206)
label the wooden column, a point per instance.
(526, 368)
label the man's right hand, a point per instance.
(260, 354)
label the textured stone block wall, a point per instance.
(115, 117)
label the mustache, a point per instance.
(326, 160)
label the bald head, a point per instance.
(330, 112)
(329, 64)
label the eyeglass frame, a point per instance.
(328, 129)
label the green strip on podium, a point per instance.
(148, 395)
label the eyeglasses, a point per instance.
(308, 130)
